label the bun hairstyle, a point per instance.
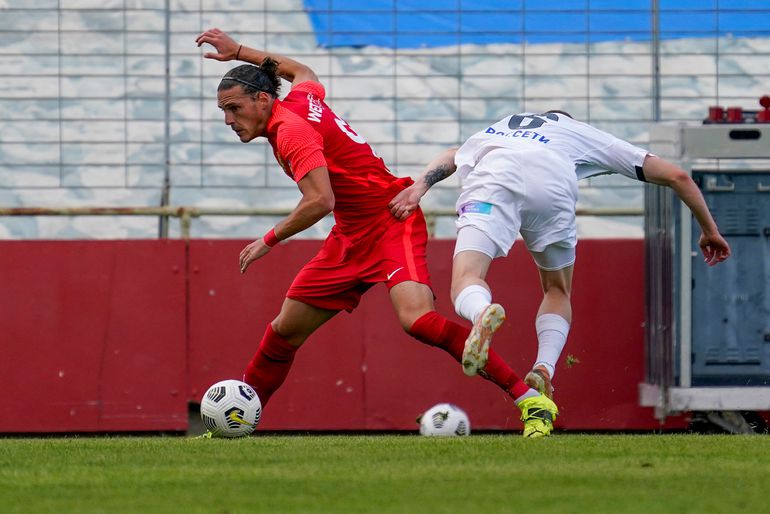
(253, 79)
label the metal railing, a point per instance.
(186, 213)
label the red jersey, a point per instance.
(305, 134)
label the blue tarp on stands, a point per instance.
(433, 23)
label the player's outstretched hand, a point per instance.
(251, 252)
(226, 46)
(406, 202)
(714, 248)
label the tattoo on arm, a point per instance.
(437, 174)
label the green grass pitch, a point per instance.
(386, 474)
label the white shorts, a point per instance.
(528, 192)
(553, 258)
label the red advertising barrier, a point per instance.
(361, 371)
(228, 315)
(116, 336)
(92, 336)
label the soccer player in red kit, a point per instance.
(336, 171)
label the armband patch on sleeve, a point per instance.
(640, 174)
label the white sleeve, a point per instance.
(616, 156)
(465, 157)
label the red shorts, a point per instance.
(348, 265)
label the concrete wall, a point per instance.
(90, 116)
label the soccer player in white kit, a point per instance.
(519, 176)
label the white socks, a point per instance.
(471, 301)
(552, 329)
(552, 332)
(529, 394)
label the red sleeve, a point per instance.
(314, 88)
(300, 146)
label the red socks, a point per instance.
(270, 365)
(435, 330)
(272, 361)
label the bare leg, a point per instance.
(557, 288)
(552, 325)
(469, 268)
(298, 320)
(472, 299)
(411, 300)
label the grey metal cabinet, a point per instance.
(708, 328)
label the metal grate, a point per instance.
(110, 103)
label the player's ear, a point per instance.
(264, 98)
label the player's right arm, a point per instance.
(228, 49)
(659, 171)
(407, 201)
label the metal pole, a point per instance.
(655, 61)
(195, 212)
(165, 193)
(187, 214)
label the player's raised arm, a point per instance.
(658, 171)
(406, 201)
(227, 49)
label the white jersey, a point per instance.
(590, 150)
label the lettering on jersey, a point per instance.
(522, 134)
(314, 109)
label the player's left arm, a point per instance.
(228, 49)
(714, 247)
(317, 201)
(407, 201)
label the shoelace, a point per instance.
(539, 413)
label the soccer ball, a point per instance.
(230, 408)
(445, 419)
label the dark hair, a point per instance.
(253, 79)
(557, 111)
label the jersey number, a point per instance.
(518, 121)
(343, 125)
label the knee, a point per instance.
(411, 301)
(288, 333)
(454, 291)
(407, 319)
(410, 313)
(557, 289)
